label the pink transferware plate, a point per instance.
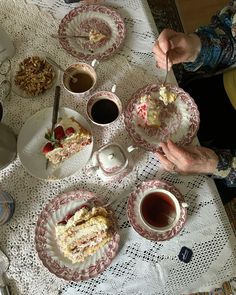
(48, 250)
(179, 120)
(135, 219)
(86, 18)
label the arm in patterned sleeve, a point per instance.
(218, 40)
(226, 167)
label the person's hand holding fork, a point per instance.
(180, 47)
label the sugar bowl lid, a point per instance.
(111, 158)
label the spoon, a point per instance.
(52, 62)
(4, 264)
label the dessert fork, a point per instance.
(167, 70)
(70, 36)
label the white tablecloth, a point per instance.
(141, 266)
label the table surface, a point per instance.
(141, 266)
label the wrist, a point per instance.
(196, 45)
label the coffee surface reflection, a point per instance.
(82, 82)
(104, 111)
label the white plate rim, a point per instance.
(54, 172)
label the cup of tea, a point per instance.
(79, 79)
(160, 210)
(104, 107)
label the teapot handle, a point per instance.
(184, 205)
(131, 148)
(90, 170)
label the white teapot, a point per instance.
(111, 162)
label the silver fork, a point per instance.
(167, 70)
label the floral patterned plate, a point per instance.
(86, 18)
(179, 120)
(47, 247)
(135, 219)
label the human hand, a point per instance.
(181, 47)
(187, 159)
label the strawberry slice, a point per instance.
(59, 133)
(48, 148)
(69, 131)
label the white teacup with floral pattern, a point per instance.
(80, 79)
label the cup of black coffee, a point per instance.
(104, 107)
(79, 79)
(160, 210)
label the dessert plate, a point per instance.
(46, 244)
(43, 75)
(81, 21)
(179, 120)
(134, 216)
(31, 140)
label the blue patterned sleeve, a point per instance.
(226, 167)
(218, 42)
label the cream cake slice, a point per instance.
(96, 36)
(167, 95)
(84, 233)
(68, 138)
(148, 111)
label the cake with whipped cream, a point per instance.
(68, 137)
(167, 95)
(84, 233)
(150, 106)
(96, 36)
(148, 111)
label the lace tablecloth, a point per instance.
(141, 266)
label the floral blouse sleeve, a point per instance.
(218, 52)
(226, 167)
(218, 40)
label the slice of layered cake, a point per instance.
(82, 234)
(68, 138)
(148, 111)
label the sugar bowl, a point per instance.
(111, 162)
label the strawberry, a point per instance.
(47, 148)
(59, 133)
(69, 131)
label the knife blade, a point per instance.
(55, 111)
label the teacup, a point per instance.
(160, 210)
(104, 107)
(79, 79)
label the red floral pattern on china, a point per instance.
(101, 18)
(183, 113)
(135, 220)
(60, 269)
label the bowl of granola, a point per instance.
(33, 75)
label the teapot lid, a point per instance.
(111, 158)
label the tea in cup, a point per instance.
(79, 79)
(160, 210)
(104, 107)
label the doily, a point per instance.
(141, 264)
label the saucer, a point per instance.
(139, 226)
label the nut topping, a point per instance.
(35, 75)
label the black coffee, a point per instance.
(104, 111)
(82, 83)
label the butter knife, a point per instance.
(55, 111)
